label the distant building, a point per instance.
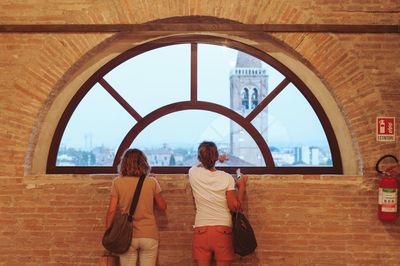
(248, 87)
(65, 160)
(302, 155)
(305, 154)
(283, 157)
(103, 155)
(164, 156)
(315, 156)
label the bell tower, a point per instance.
(248, 87)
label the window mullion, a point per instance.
(268, 99)
(193, 72)
(120, 99)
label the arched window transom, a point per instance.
(165, 98)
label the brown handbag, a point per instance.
(118, 237)
(109, 260)
(244, 239)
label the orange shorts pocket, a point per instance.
(200, 247)
(200, 230)
(224, 230)
(223, 248)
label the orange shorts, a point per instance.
(212, 240)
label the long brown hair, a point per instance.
(133, 163)
(207, 153)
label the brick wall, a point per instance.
(299, 220)
(362, 73)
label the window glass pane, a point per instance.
(154, 79)
(293, 131)
(95, 131)
(173, 139)
(226, 76)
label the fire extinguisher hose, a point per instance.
(388, 169)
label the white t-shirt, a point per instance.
(209, 191)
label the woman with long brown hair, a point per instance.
(144, 244)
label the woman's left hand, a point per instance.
(223, 157)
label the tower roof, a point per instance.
(247, 61)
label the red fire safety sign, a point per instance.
(385, 128)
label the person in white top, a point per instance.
(215, 197)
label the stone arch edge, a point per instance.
(48, 117)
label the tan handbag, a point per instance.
(118, 237)
(109, 260)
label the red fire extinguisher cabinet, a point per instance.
(388, 194)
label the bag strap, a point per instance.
(135, 198)
(239, 207)
(236, 218)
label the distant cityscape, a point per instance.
(168, 156)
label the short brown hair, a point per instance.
(207, 153)
(133, 163)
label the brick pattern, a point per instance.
(358, 69)
(33, 66)
(298, 220)
(251, 11)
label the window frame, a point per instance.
(194, 104)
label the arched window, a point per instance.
(245, 99)
(166, 97)
(254, 98)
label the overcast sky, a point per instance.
(162, 76)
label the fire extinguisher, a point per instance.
(388, 191)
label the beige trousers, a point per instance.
(144, 248)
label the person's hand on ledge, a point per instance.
(242, 181)
(223, 157)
